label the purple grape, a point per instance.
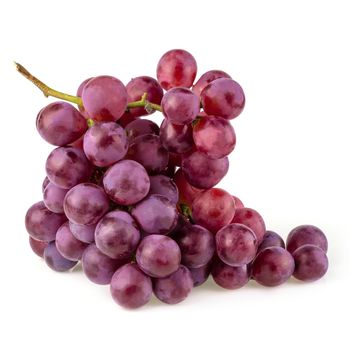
(306, 234)
(207, 78)
(54, 197)
(311, 263)
(85, 204)
(180, 106)
(98, 267)
(84, 233)
(236, 245)
(116, 236)
(126, 182)
(202, 172)
(158, 256)
(271, 239)
(104, 98)
(273, 266)
(140, 127)
(41, 223)
(45, 183)
(55, 260)
(105, 144)
(200, 274)
(174, 288)
(156, 214)
(79, 94)
(197, 245)
(230, 277)
(38, 247)
(67, 245)
(176, 138)
(130, 287)
(67, 166)
(148, 151)
(59, 123)
(161, 184)
(176, 68)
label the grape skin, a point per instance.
(207, 78)
(271, 239)
(38, 247)
(140, 127)
(79, 94)
(54, 197)
(55, 260)
(200, 274)
(84, 233)
(164, 185)
(238, 203)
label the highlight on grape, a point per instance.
(136, 204)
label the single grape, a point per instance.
(38, 247)
(67, 166)
(306, 234)
(85, 204)
(156, 214)
(215, 137)
(126, 119)
(174, 288)
(126, 182)
(84, 233)
(140, 85)
(230, 277)
(224, 98)
(130, 287)
(104, 98)
(45, 183)
(200, 274)
(54, 197)
(197, 245)
(176, 138)
(187, 192)
(202, 172)
(79, 143)
(311, 263)
(213, 209)
(67, 245)
(117, 236)
(252, 219)
(180, 106)
(55, 260)
(161, 184)
(41, 223)
(148, 151)
(98, 267)
(59, 123)
(140, 127)
(273, 266)
(79, 94)
(238, 203)
(271, 239)
(105, 144)
(176, 68)
(158, 256)
(236, 245)
(207, 78)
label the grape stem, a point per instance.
(47, 91)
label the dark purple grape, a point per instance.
(41, 223)
(273, 266)
(174, 288)
(85, 204)
(158, 256)
(79, 94)
(161, 184)
(148, 151)
(67, 166)
(200, 274)
(180, 106)
(311, 263)
(59, 123)
(55, 260)
(98, 267)
(104, 98)
(271, 239)
(38, 247)
(207, 78)
(130, 287)
(54, 197)
(67, 245)
(306, 234)
(84, 233)
(45, 183)
(126, 182)
(116, 236)
(202, 172)
(156, 214)
(105, 144)
(126, 119)
(176, 138)
(140, 127)
(238, 203)
(223, 97)
(176, 68)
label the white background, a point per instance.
(291, 163)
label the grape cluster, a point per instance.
(136, 203)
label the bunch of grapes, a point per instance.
(136, 203)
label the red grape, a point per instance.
(238, 203)
(187, 192)
(207, 78)
(55, 260)
(54, 197)
(271, 239)
(79, 94)
(140, 127)
(161, 184)
(38, 247)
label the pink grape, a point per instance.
(38, 247)
(79, 94)
(200, 274)
(126, 119)
(140, 127)
(238, 203)
(55, 260)
(161, 184)
(54, 197)
(271, 239)
(207, 78)
(84, 233)
(45, 183)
